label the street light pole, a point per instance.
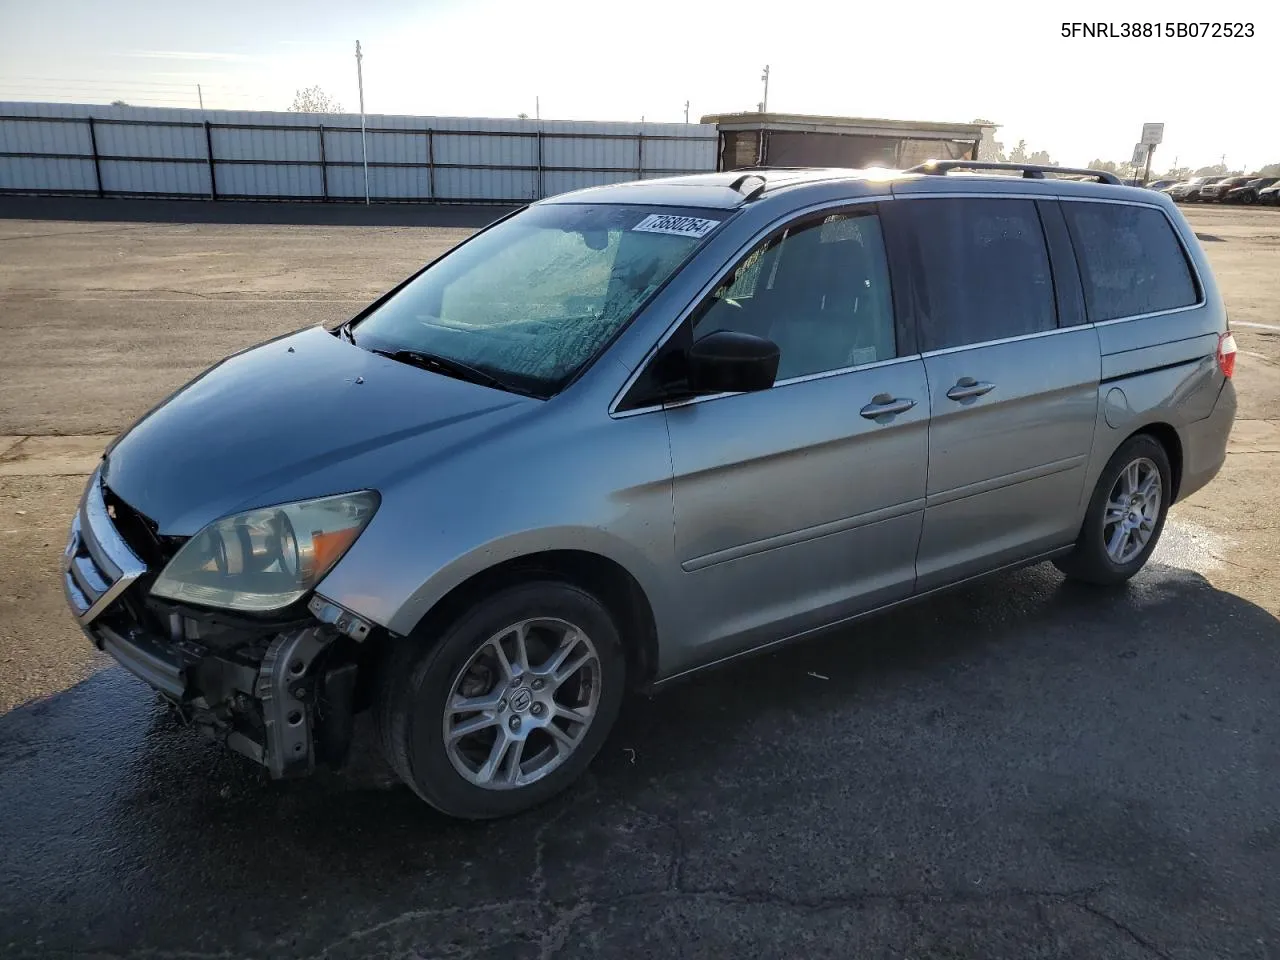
(686, 111)
(764, 104)
(364, 149)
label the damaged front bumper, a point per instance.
(282, 694)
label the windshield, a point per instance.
(535, 298)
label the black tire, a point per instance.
(418, 677)
(1089, 561)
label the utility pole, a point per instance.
(686, 111)
(200, 94)
(364, 148)
(537, 108)
(764, 104)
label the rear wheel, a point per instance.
(509, 706)
(1125, 517)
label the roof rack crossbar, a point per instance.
(754, 191)
(1031, 171)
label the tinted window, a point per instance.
(1130, 260)
(819, 290)
(983, 270)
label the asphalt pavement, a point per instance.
(1019, 769)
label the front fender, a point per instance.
(602, 487)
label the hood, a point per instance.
(301, 416)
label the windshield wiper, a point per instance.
(449, 367)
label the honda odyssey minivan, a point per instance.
(630, 432)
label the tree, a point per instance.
(1176, 173)
(1020, 154)
(314, 100)
(1217, 170)
(522, 116)
(118, 103)
(1270, 170)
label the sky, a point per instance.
(1002, 61)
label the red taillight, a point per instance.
(1227, 354)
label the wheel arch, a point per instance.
(603, 577)
(1166, 435)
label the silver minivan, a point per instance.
(630, 432)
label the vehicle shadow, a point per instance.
(342, 214)
(1026, 732)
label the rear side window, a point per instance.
(983, 270)
(1131, 262)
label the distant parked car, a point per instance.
(1248, 192)
(1189, 190)
(1217, 192)
(1270, 195)
(1161, 184)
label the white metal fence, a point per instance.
(80, 149)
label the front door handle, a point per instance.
(886, 404)
(967, 388)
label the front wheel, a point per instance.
(1125, 516)
(509, 706)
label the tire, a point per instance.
(1090, 561)
(420, 677)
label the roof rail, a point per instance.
(1030, 171)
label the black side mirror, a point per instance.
(730, 362)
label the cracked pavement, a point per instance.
(1021, 768)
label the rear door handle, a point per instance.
(886, 404)
(967, 388)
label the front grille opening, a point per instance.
(140, 532)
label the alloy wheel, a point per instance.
(1132, 511)
(522, 703)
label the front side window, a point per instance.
(535, 298)
(818, 289)
(983, 270)
(1131, 262)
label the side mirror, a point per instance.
(731, 362)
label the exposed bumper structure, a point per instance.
(272, 694)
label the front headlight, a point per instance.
(266, 559)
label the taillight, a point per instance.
(1227, 354)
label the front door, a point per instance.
(801, 505)
(1013, 396)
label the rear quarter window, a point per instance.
(1131, 261)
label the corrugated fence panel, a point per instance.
(135, 140)
(463, 184)
(394, 147)
(342, 146)
(58, 175)
(268, 180)
(595, 154)
(266, 145)
(26, 136)
(278, 155)
(486, 151)
(683, 154)
(162, 179)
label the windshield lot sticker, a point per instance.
(680, 226)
